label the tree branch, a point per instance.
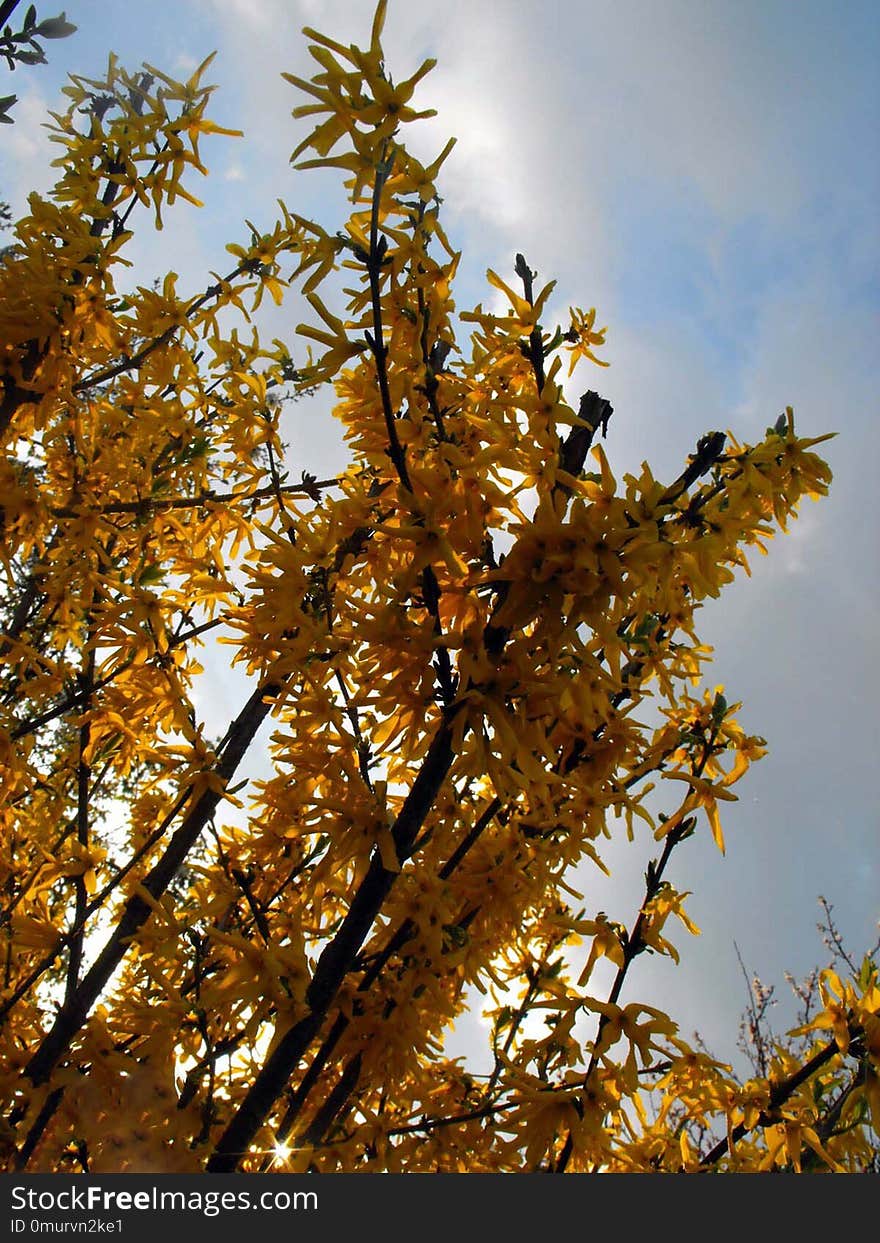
(75, 1011)
(336, 959)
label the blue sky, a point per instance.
(707, 175)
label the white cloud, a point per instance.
(242, 13)
(27, 151)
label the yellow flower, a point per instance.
(583, 336)
(608, 942)
(837, 1014)
(703, 794)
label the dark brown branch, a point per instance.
(377, 966)
(596, 412)
(433, 355)
(376, 341)
(635, 940)
(194, 1074)
(535, 350)
(404, 932)
(13, 394)
(827, 1128)
(778, 1096)
(336, 959)
(135, 361)
(83, 781)
(77, 699)
(200, 501)
(334, 1103)
(137, 910)
(709, 450)
(35, 1134)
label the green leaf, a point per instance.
(149, 575)
(867, 973)
(196, 448)
(505, 1014)
(456, 936)
(554, 342)
(56, 27)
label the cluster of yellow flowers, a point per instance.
(453, 640)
